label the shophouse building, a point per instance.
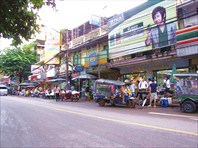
(87, 52)
(119, 47)
(70, 53)
(138, 48)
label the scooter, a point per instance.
(71, 95)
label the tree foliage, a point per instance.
(16, 62)
(18, 18)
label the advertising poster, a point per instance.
(149, 26)
(93, 59)
(52, 47)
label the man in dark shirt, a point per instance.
(153, 92)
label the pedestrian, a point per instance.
(57, 92)
(149, 81)
(87, 90)
(142, 88)
(132, 88)
(153, 93)
(166, 85)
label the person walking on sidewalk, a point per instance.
(57, 91)
(153, 93)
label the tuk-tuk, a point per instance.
(186, 91)
(105, 92)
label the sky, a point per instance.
(73, 13)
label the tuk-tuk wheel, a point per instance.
(101, 102)
(188, 106)
(130, 104)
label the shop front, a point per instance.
(157, 69)
(187, 46)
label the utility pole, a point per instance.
(66, 47)
(67, 70)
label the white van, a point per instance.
(3, 90)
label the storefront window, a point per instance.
(159, 75)
(135, 76)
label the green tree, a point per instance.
(17, 61)
(18, 18)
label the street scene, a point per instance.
(99, 73)
(36, 122)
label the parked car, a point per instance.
(3, 90)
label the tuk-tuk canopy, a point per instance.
(186, 75)
(109, 82)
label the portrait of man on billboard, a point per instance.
(163, 34)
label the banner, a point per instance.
(52, 47)
(151, 25)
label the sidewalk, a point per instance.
(170, 109)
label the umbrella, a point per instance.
(85, 76)
(174, 70)
(56, 80)
(28, 84)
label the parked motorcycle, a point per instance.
(71, 95)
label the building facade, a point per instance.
(132, 44)
(135, 56)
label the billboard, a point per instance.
(52, 47)
(95, 20)
(36, 69)
(149, 26)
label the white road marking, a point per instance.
(174, 115)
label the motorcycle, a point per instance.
(70, 95)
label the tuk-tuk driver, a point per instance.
(118, 92)
(126, 91)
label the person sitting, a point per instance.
(49, 93)
(27, 93)
(62, 94)
(126, 91)
(117, 92)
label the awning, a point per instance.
(56, 80)
(85, 76)
(28, 84)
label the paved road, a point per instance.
(34, 122)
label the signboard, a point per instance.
(79, 68)
(35, 69)
(93, 59)
(51, 71)
(139, 29)
(159, 65)
(52, 47)
(95, 20)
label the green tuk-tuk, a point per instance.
(186, 91)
